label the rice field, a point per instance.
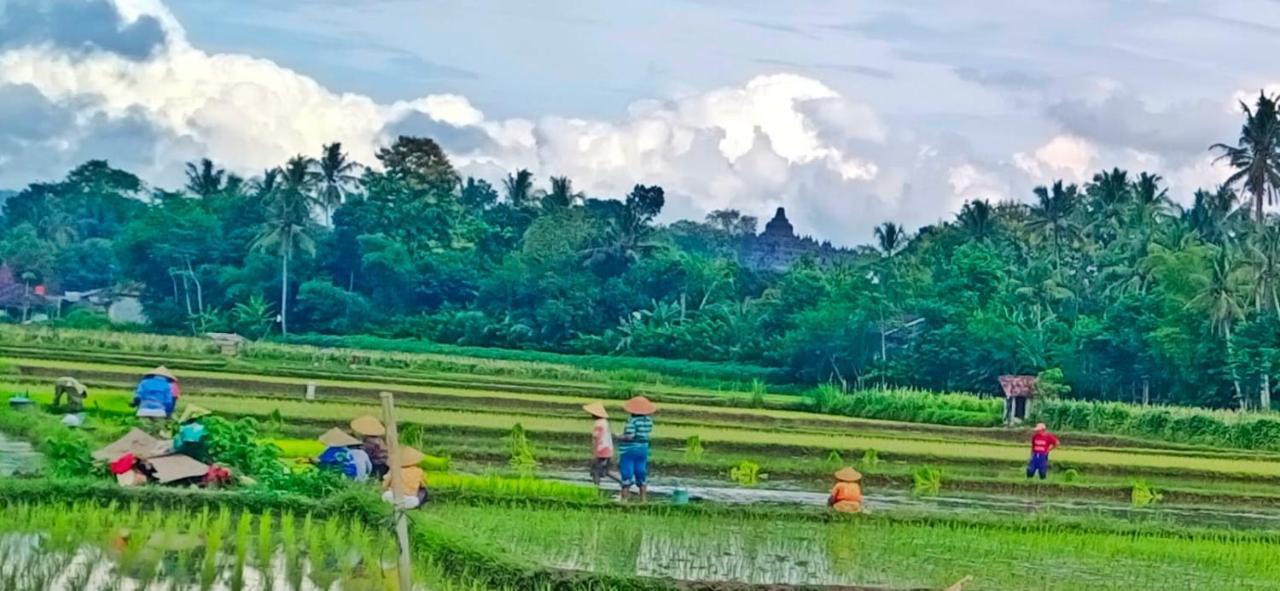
(1027, 555)
(127, 547)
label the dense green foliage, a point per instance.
(1129, 295)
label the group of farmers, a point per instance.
(633, 452)
(368, 457)
(360, 459)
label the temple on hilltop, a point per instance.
(778, 247)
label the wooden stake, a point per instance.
(397, 494)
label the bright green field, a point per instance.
(342, 412)
(865, 551)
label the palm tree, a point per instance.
(976, 219)
(891, 238)
(1263, 265)
(1110, 190)
(519, 188)
(1052, 215)
(336, 176)
(562, 194)
(205, 179)
(1256, 155)
(1219, 299)
(267, 184)
(1214, 214)
(288, 223)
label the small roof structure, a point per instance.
(136, 442)
(175, 467)
(1018, 386)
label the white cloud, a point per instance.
(1062, 156)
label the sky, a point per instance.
(848, 113)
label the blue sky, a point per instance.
(848, 113)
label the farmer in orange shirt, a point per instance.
(1042, 442)
(846, 497)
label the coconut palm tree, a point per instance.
(891, 238)
(336, 175)
(1052, 215)
(205, 179)
(1219, 299)
(1214, 214)
(562, 194)
(1256, 155)
(287, 229)
(519, 188)
(976, 219)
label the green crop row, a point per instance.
(1196, 426)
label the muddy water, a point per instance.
(702, 490)
(17, 457)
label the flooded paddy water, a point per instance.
(17, 457)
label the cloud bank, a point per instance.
(119, 80)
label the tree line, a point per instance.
(1129, 295)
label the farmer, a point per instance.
(74, 391)
(601, 442)
(154, 396)
(371, 430)
(1042, 442)
(413, 481)
(191, 439)
(846, 496)
(342, 452)
(633, 463)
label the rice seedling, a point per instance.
(244, 533)
(927, 482)
(747, 473)
(870, 460)
(693, 449)
(1143, 495)
(522, 459)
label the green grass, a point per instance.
(340, 413)
(1019, 555)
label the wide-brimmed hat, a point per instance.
(336, 437)
(848, 474)
(596, 410)
(192, 412)
(409, 456)
(1041, 427)
(368, 425)
(639, 406)
(163, 372)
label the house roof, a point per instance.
(1018, 386)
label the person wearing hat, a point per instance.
(846, 496)
(342, 453)
(633, 461)
(413, 481)
(601, 442)
(73, 390)
(154, 396)
(190, 439)
(1042, 442)
(371, 432)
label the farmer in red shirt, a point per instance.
(1042, 442)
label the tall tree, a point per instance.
(976, 219)
(561, 194)
(518, 188)
(1256, 155)
(1219, 299)
(287, 228)
(205, 179)
(337, 174)
(1052, 215)
(891, 238)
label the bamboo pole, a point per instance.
(397, 493)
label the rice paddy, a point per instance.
(1207, 521)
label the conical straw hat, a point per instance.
(193, 412)
(336, 437)
(596, 410)
(410, 457)
(639, 406)
(163, 372)
(368, 425)
(848, 475)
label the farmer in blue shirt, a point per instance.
(633, 462)
(154, 396)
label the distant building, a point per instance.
(778, 247)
